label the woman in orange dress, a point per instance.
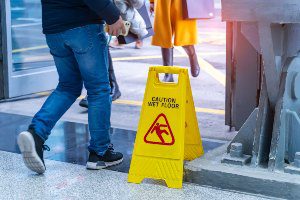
(170, 29)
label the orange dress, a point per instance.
(169, 25)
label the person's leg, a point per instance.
(167, 55)
(92, 56)
(186, 36)
(93, 65)
(163, 28)
(67, 91)
(191, 52)
(115, 91)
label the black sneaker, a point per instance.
(84, 102)
(110, 158)
(32, 147)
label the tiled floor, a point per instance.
(68, 141)
(74, 182)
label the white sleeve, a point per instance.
(137, 3)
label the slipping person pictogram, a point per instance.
(159, 131)
(161, 127)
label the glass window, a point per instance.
(28, 43)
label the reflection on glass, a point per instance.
(28, 43)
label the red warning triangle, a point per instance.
(160, 132)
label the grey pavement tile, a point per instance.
(68, 181)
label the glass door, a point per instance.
(28, 66)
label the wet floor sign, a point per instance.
(168, 130)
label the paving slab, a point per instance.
(68, 181)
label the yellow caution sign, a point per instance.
(168, 130)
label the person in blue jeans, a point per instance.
(77, 41)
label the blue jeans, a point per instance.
(81, 57)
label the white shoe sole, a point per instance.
(92, 165)
(30, 156)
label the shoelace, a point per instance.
(111, 147)
(46, 148)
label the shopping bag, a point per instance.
(198, 9)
